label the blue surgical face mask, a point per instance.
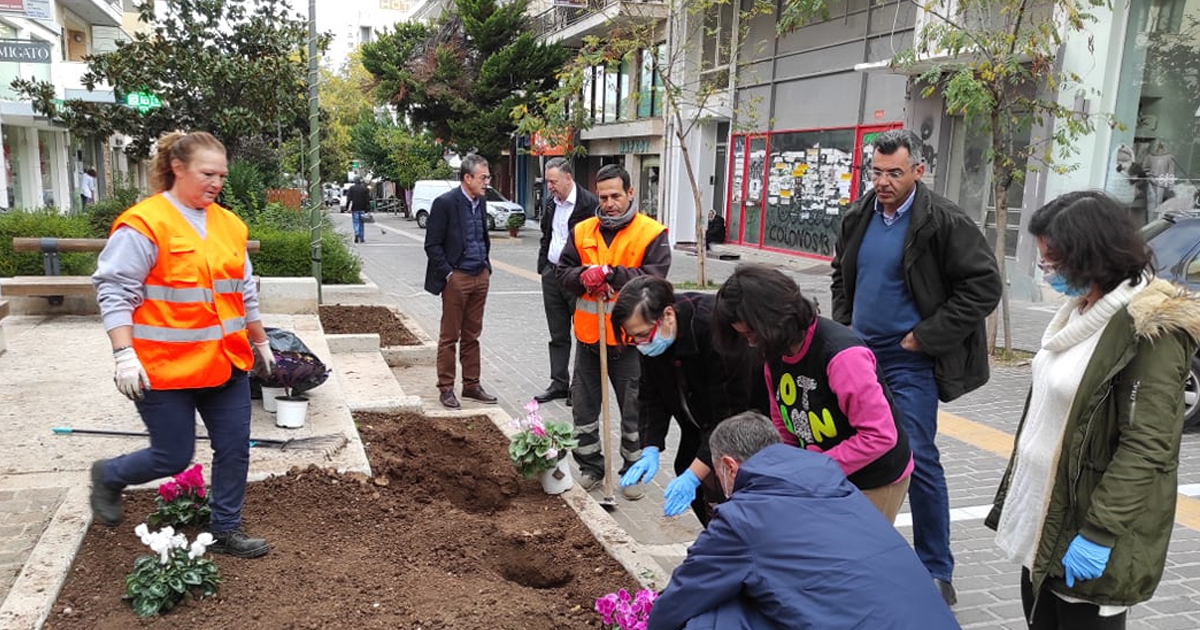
(657, 345)
(1060, 284)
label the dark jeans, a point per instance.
(356, 221)
(624, 369)
(910, 377)
(170, 417)
(560, 308)
(463, 300)
(1052, 613)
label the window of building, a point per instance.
(364, 34)
(650, 82)
(970, 183)
(716, 45)
(1155, 158)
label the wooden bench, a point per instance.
(53, 285)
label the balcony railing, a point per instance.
(557, 19)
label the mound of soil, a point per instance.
(339, 319)
(446, 535)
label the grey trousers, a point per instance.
(624, 369)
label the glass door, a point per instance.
(756, 194)
(737, 190)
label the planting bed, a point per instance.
(338, 319)
(446, 535)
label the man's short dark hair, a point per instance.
(648, 296)
(741, 436)
(560, 164)
(1092, 239)
(613, 171)
(889, 142)
(469, 163)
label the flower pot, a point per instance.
(512, 233)
(557, 480)
(269, 394)
(290, 411)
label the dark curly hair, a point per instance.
(648, 296)
(1091, 239)
(768, 303)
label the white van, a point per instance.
(499, 209)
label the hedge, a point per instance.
(284, 243)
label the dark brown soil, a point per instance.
(339, 319)
(446, 535)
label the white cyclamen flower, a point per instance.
(552, 453)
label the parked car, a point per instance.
(499, 209)
(332, 194)
(1175, 240)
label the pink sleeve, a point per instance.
(776, 418)
(860, 396)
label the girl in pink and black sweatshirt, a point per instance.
(821, 385)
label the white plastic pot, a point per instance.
(290, 411)
(269, 394)
(557, 480)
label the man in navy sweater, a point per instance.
(797, 546)
(915, 278)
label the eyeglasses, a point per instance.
(486, 178)
(640, 339)
(891, 175)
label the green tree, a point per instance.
(397, 153)
(462, 79)
(995, 63)
(234, 68)
(346, 96)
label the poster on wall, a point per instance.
(811, 175)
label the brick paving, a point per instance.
(515, 368)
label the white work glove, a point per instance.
(263, 348)
(130, 376)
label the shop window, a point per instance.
(809, 176)
(1155, 158)
(970, 183)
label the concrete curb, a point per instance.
(424, 353)
(623, 548)
(32, 596)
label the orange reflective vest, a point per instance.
(626, 250)
(190, 329)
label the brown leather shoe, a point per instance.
(477, 393)
(448, 400)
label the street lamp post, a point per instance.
(314, 148)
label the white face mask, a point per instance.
(726, 484)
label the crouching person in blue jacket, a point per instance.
(796, 546)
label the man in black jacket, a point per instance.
(566, 205)
(358, 199)
(915, 278)
(683, 376)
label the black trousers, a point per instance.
(560, 308)
(1052, 613)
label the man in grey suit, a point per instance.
(566, 205)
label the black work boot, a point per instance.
(237, 544)
(106, 501)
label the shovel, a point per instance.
(331, 442)
(609, 502)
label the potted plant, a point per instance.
(540, 448)
(162, 580)
(515, 221)
(291, 370)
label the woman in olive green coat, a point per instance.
(1088, 501)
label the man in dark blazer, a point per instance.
(566, 205)
(457, 245)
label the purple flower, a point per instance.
(606, 606)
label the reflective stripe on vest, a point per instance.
(627, 249)
(190, 329)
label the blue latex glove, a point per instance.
(680, 493)
(1084, 560)
(644, 469)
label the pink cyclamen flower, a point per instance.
(531, 406)
(169, 490)
(623, 595)
(606, 606)
(538, 430)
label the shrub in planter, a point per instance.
(244, 191)
(38, 223)
(101, 214)
(181, 500)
